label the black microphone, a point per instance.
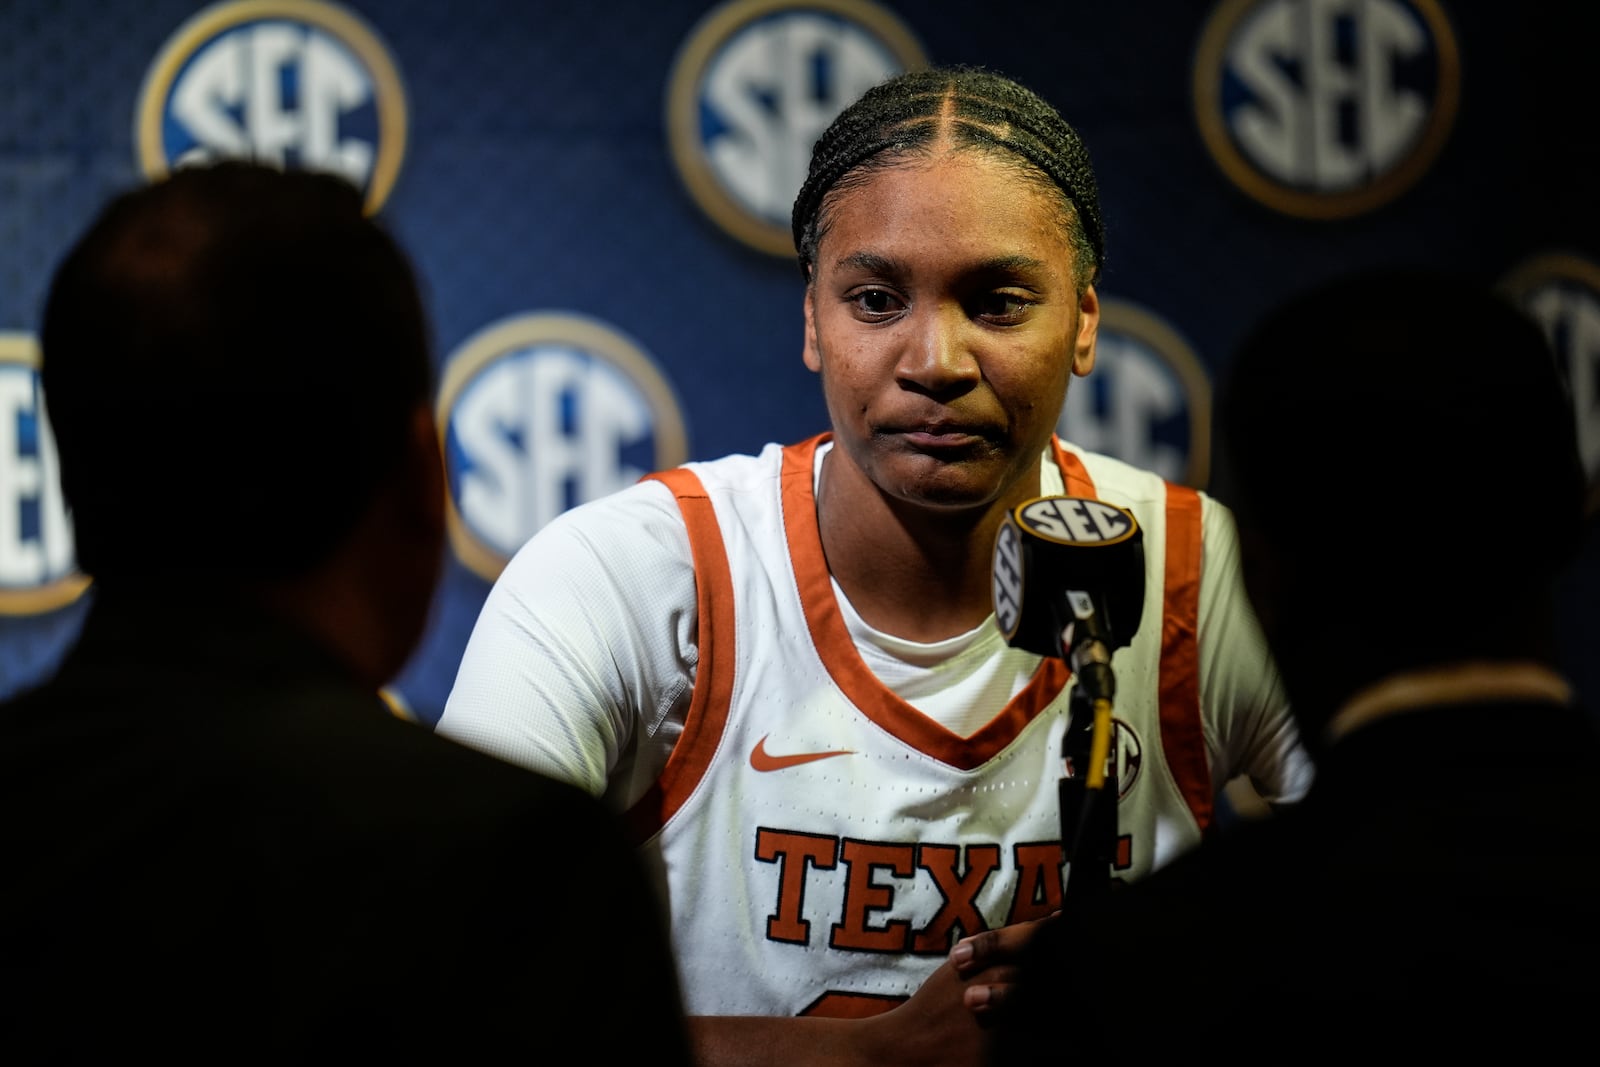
(1069, 582)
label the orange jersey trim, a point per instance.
(1076, 478)
(1182, 738)
(1178, 688)
(854, 679)
(713, 689)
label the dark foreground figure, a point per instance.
(219, 842)
(1400, 454)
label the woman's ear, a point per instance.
(1088, 330)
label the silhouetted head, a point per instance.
(231, 358)
(1400, 451)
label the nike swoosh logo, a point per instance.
(762, 760)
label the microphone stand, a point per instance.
(1087, 791)
(1084, 561)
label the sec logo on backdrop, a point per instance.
(1147, 401)
(295, 83)
(38, 571)
(753, 87)
(542, 412)
(1326, 108)
(1562, 292)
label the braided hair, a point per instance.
(970, 108)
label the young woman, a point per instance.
(784, 666)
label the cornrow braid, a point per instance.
(971, 106)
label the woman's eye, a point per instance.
(1004, 306)
(876, 302)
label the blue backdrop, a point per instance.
(596, 199)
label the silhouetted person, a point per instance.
(219, 841)
(1400, 454)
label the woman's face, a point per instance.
(944, 318)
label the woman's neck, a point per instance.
(920, 573)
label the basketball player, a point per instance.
(784, 666)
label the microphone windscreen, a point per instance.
(1052, 547)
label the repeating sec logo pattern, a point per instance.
(539, 413)
(1562, 292)
(753, 87)
(1326, 108)
(1148, 400)
(38, 571)
(295, 83)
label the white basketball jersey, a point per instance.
(823, 842)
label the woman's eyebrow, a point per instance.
(876, 263)
(871, 262)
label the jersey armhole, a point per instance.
(715, 636)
